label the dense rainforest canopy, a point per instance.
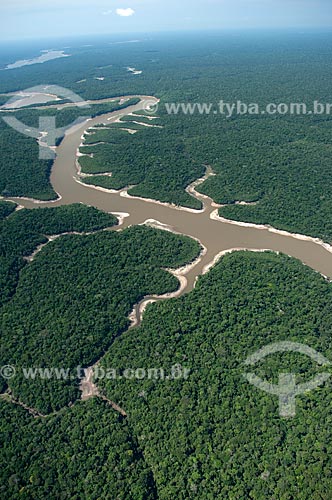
(22, 173)
(210, 435)
(25, 230)
(213, 435)
(280, 162)
(87, 451)
(66, 306)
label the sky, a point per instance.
(57, 18)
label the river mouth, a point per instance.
(215, 235)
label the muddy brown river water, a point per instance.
(215, 235)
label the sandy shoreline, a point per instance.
(121, 216)
(215, 216)
(136, 316)
(90, 186)
(30, 258)
(189, 189)
(82, 174)
(181, 271)
(217, 258)
(35, 201)
(124, 194)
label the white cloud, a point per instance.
(107, 12)
(125, 12)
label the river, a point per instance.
(216, 236)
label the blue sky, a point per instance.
(48, 18)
